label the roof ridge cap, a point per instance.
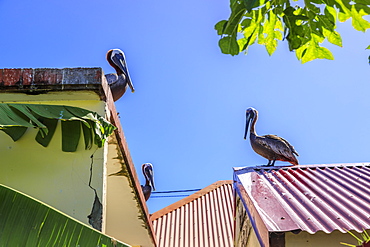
(254, 168)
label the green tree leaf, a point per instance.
(312, 50)
(304, 27)
(358, 22)
(220, 26)
(333, 37)
(229, 45)
(249, 4)
(238, 9)
(272, 29)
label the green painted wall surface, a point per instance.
(57, 178)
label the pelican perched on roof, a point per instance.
(147, 169)
(118, 82)
(270, 147)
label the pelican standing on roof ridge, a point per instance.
(118, 82)
(147, 169)
(271, 147)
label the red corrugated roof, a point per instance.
(307, 198)
(204, 218)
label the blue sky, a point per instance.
(187, 115)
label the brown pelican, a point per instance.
(118, 82)
(147, 169)
(270, 147)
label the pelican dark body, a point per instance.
(147, 169)
(271, 147)
(118, 82)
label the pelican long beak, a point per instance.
(152, 182)
(150, 176)
(248, 119)
(130, 83)
(119, 60)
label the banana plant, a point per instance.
(15, 119)
(26, 221)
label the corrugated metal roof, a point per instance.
(204, 218)
(309, 198)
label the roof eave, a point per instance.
(123, 146)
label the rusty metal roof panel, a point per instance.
(308, 198)
(204, 218)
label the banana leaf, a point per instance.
(25, 221)
(16, 118)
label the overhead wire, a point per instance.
(157, 194)
(173, 191)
